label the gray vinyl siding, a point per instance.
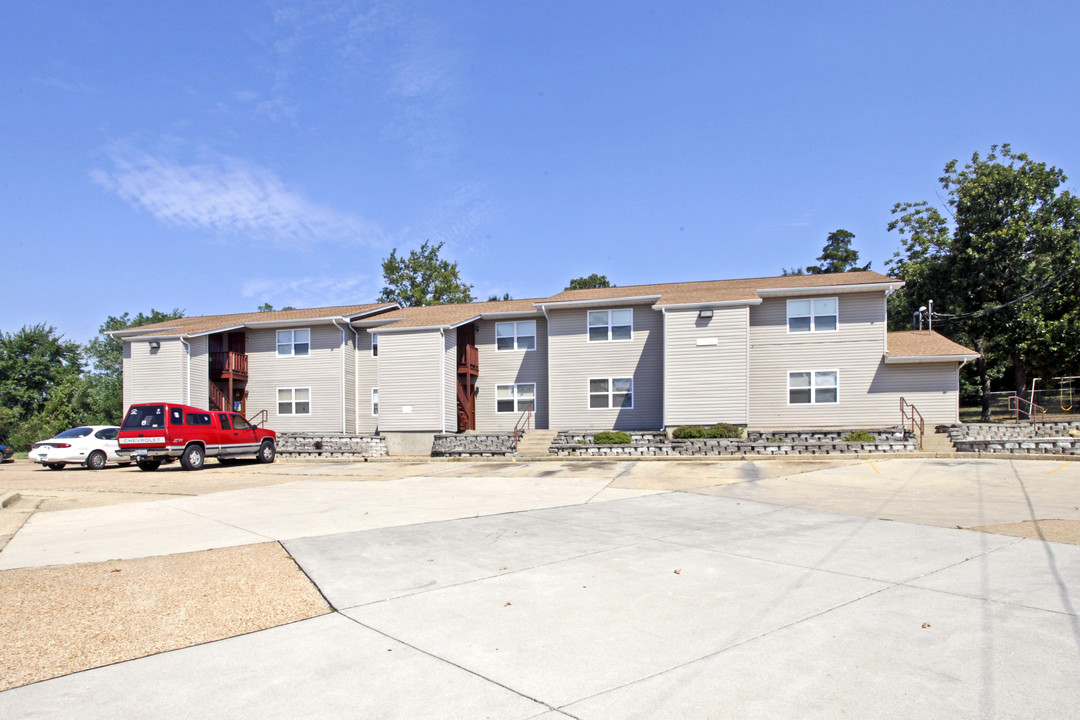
(349, 389)
(449, 389)
(320, 371)
(933, 388)
(154, 375)
(410, 376)
(200, 373)
(855, 350)
(367, 373)
(706, 384)
(573, 360)
(510, 367)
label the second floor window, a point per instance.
(817, 315)
(611, 325)
(515, 335)
(293, 343)
(374, 345)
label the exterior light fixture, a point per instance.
(705, 313)
(154, 345)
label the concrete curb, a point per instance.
(9, 498)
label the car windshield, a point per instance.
(144, 416)
(75, 433)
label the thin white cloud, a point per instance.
(306, 292)
(78, 88)
(226, 196)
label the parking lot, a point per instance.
(577, 589)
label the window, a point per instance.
(611, 393)
(813, 387)
(239, 423)
(198, 418)
(374, 347)
(293, 343)
(176, 416)
(515, 335)
(818, 315)
(375, 402)
(611, 325)
(515, 398)
(107, 434)
(224, 420)
(294, 401)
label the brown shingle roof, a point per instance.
(209, 323)
(720, 290)
(448, 315)
(920, 343)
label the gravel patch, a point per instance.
(58, 620)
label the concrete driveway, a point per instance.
(516, 594)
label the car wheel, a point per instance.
(55, 466)
(96, 460)
(148, 465)
(266, 452)
(193, 457)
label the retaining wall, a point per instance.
(322, 445)
(473, 445)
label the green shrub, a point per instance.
(719, 430)
(612, 437)
(859, 436)
(778, 440)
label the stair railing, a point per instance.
(259, 418)
(1019, 404)
(521, 426)
(909, 414)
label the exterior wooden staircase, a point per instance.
(535, 443)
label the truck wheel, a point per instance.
(96, 460)
(148, 465)
(55, 466)
(266, 452)
(193, 457)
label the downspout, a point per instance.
(343, 425)
(664, 370)
(187, 347)
(442, 378)
(356, 380)
(547, 362)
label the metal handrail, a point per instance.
(906, 415)
(521, 425)
(1015, 402)
(254, 419)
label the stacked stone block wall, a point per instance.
(890, 440)
(1054, 438)
(345, 446)
(473, 445)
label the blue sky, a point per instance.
(215, 156)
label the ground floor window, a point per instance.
(611, 393)
(515, 398)
(375, 402)
(294, 401)
(813, 387)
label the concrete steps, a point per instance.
(535, 443)
(935, 442)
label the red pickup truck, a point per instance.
(154, 433)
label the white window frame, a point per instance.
(292, 401)
(291, 342)
(814, 315)
(516, 398)
(374, 402)
(374, 344)
(814, 387)
(609, 325)
(610, 393)
(517, 335)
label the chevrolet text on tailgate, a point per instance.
(154, 433)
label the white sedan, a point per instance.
(90, 445)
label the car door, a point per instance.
(106, 440)
(243, 438)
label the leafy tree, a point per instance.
(423, 279)
(587, 283)
(836, 257)
(496, 298)
(38, 368)
(267, 307)
(1003, 269)
(105, 388)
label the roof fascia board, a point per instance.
(638, 300)
(300, 322)
(511, 314)
(912, 359)
(416, 328)
(139, 330)
(828, 289)
(704, 304)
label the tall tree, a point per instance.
(836, 257)
(106, 355)
(1005, 271)
(423, 279)
(587, 283)
(37, 366)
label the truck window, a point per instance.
(198, 418)
(224, 420)
(145, 416)
(176, 416)
(239, 423)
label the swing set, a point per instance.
(1065, 392)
